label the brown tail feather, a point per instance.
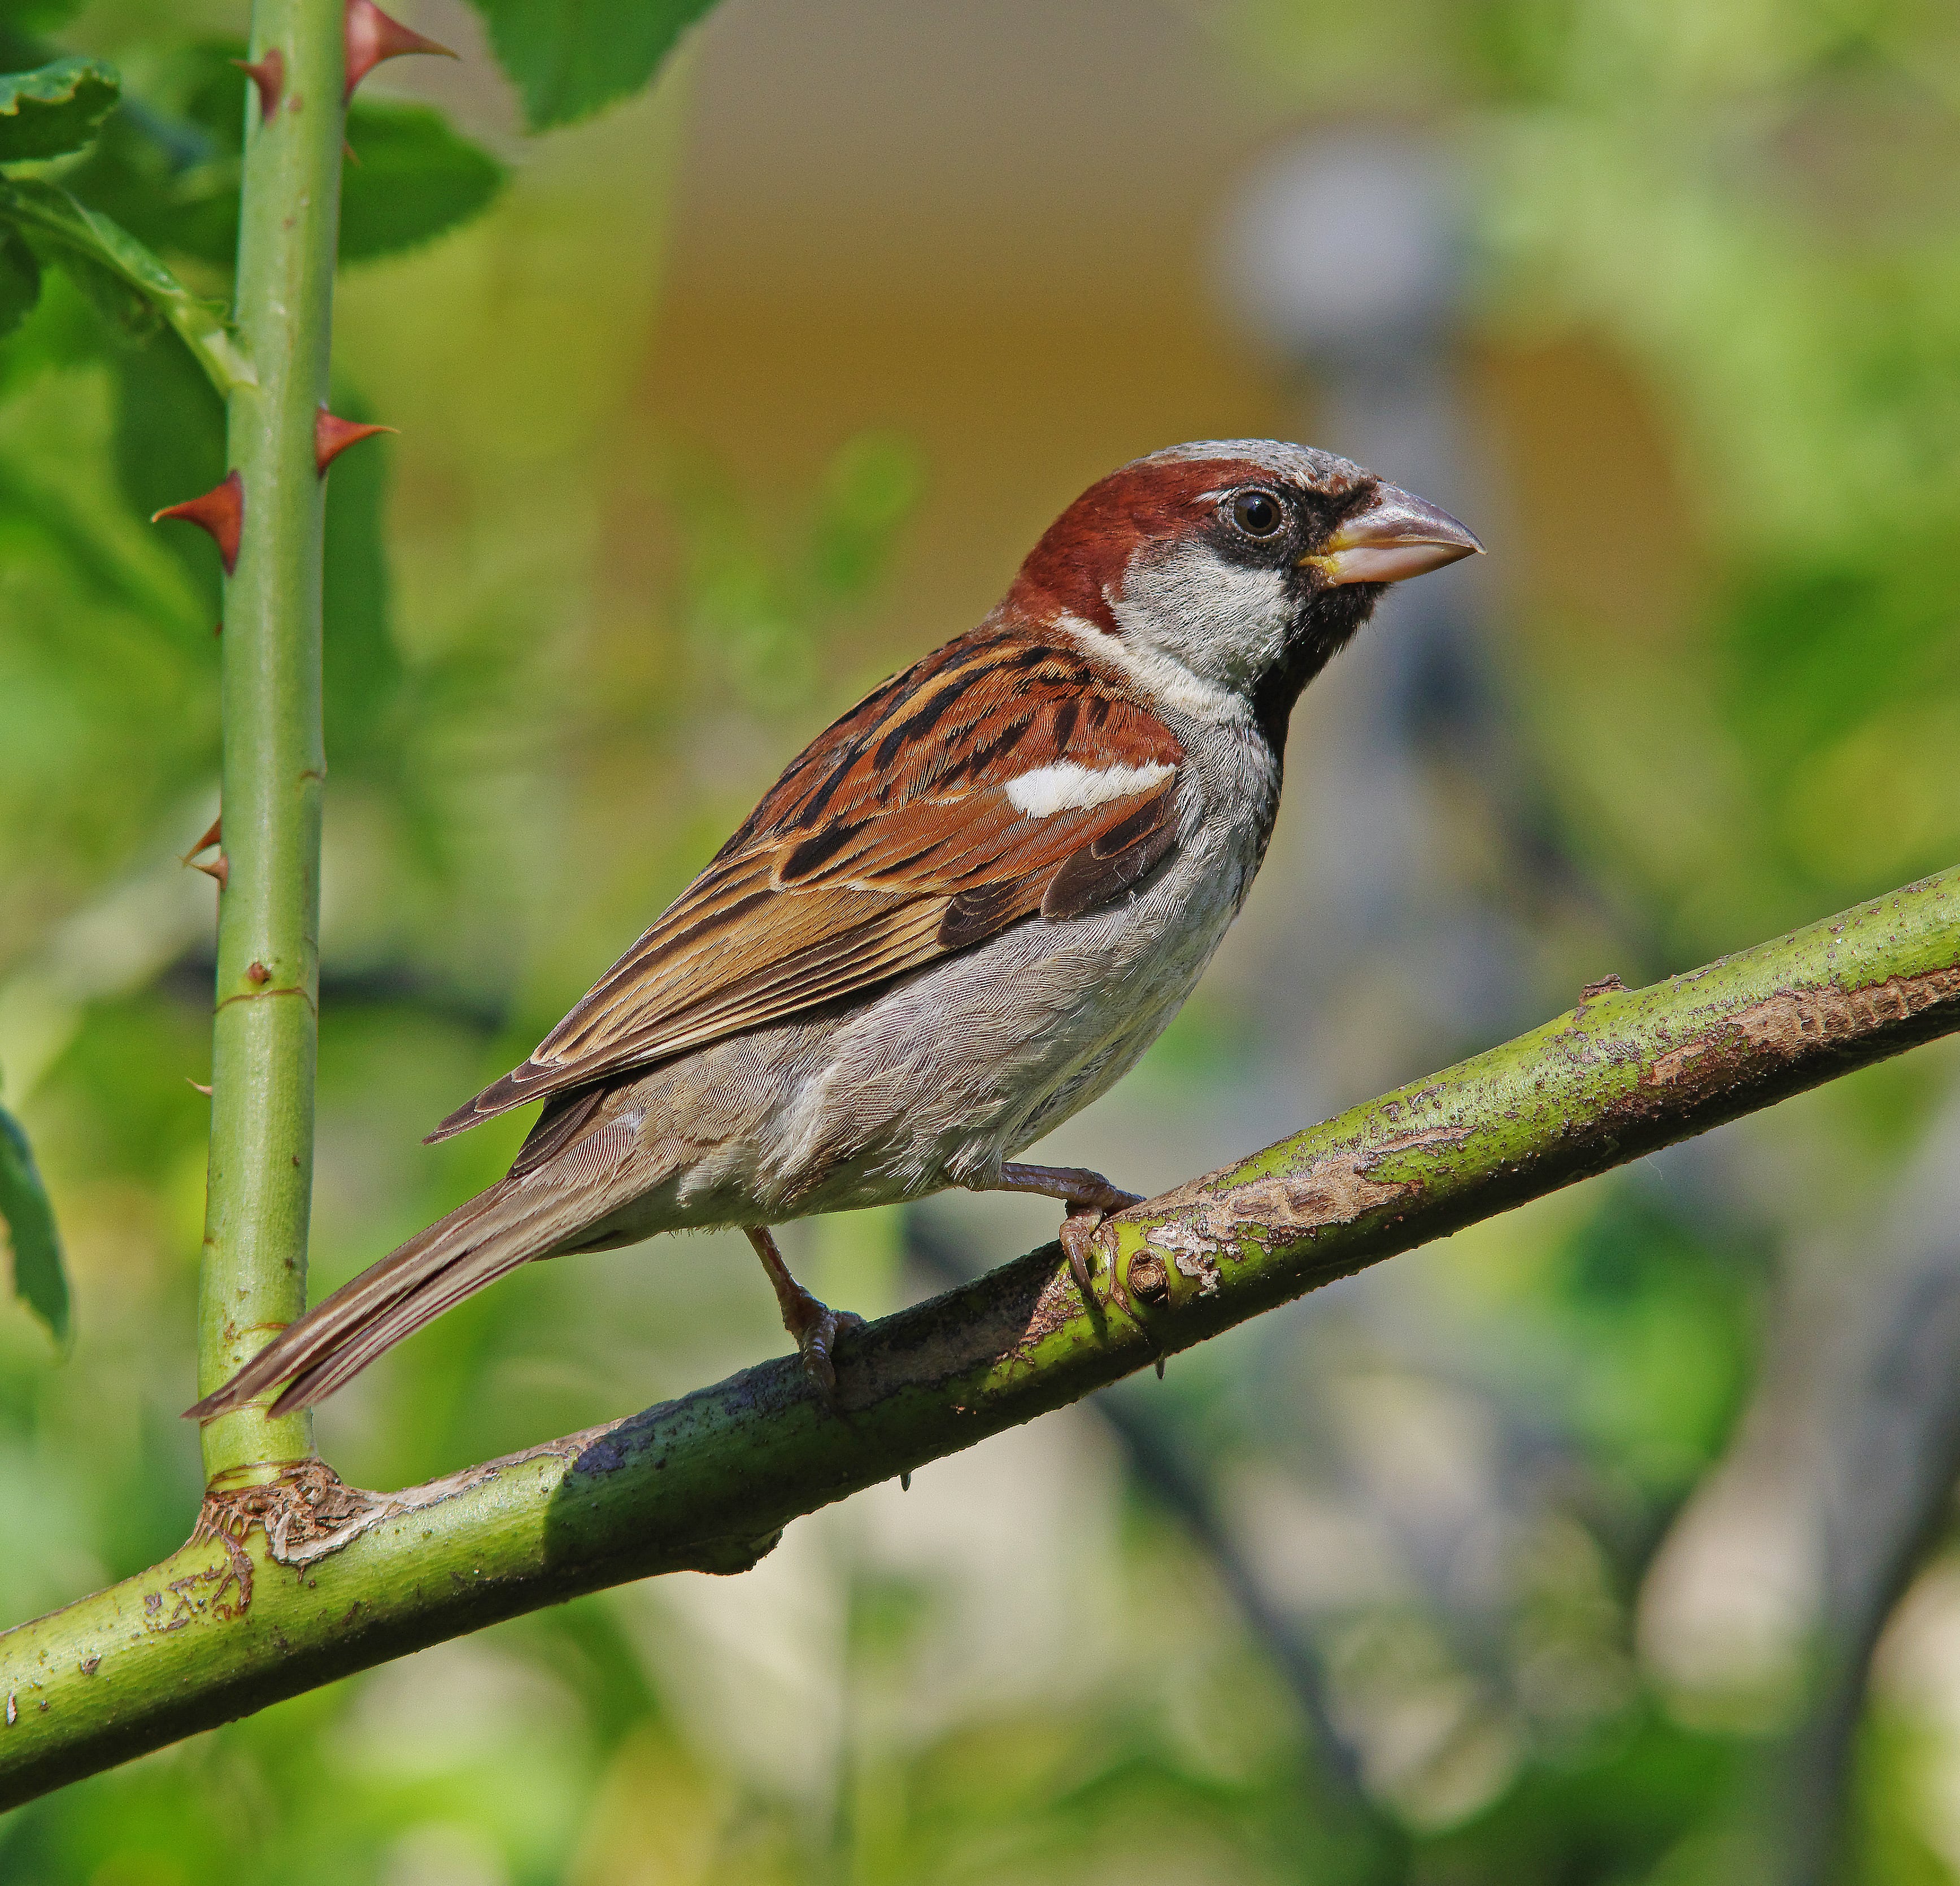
(443, 1290)
(478, 1242)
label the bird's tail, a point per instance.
(477, 1243)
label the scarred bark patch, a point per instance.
(1797, 1023)
(1201, 1221)
(307, 1514)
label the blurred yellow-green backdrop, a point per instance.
(1608, 1542)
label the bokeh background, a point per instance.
(1610, 1541)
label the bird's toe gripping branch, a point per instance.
(1077, 1234)
(814, 1326)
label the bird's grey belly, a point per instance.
(936, 1081)
(964, 1065)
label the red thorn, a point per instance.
(372, 36)
(258, 973)
(199, 1085)
(221, 870)
(221, 510)
(348, 152)
(269, 73)
(332, 436)
(209, 839)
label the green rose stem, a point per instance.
(264, 1034)
(291, 1584)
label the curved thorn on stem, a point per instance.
(221, 510)
(209, 839)
(372, 36)
(332, 436)
(269, 73)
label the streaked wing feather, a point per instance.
(891, 841)
(1113, 861)
(805, 980)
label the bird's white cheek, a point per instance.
(1225, 623)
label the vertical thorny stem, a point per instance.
(263, 1035)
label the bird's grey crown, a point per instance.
(1302, 464)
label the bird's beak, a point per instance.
(1398, 535)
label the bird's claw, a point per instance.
(816, 1342)
(1078, 1238)
(1078, 1234)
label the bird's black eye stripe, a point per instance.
(1258, 513)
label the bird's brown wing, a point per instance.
(891, 841)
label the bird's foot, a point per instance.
(816, 1341)
(814, 1326)
(1078, 1239)
(1090, 1198)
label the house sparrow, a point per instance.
(960, 915)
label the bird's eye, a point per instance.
(1258, 513)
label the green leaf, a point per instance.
(20, 282)
(48, 112)
(166, 167)
(413, 178)
(93, 246)
(39, 1280)
(568, 61)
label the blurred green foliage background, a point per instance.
(1609, 1542)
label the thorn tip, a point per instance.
(372, 36)
(268, 73)
(332, 436)
(221, 510)
(209, 839)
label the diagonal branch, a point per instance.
(286, 1586)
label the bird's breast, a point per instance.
(964, 1064)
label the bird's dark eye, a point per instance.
(1258, 513)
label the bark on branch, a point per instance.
(295, 1582)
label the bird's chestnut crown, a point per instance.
(1223, 575)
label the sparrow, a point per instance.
(960, 915)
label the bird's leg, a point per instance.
(1088, 1196)
(814, 1326)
